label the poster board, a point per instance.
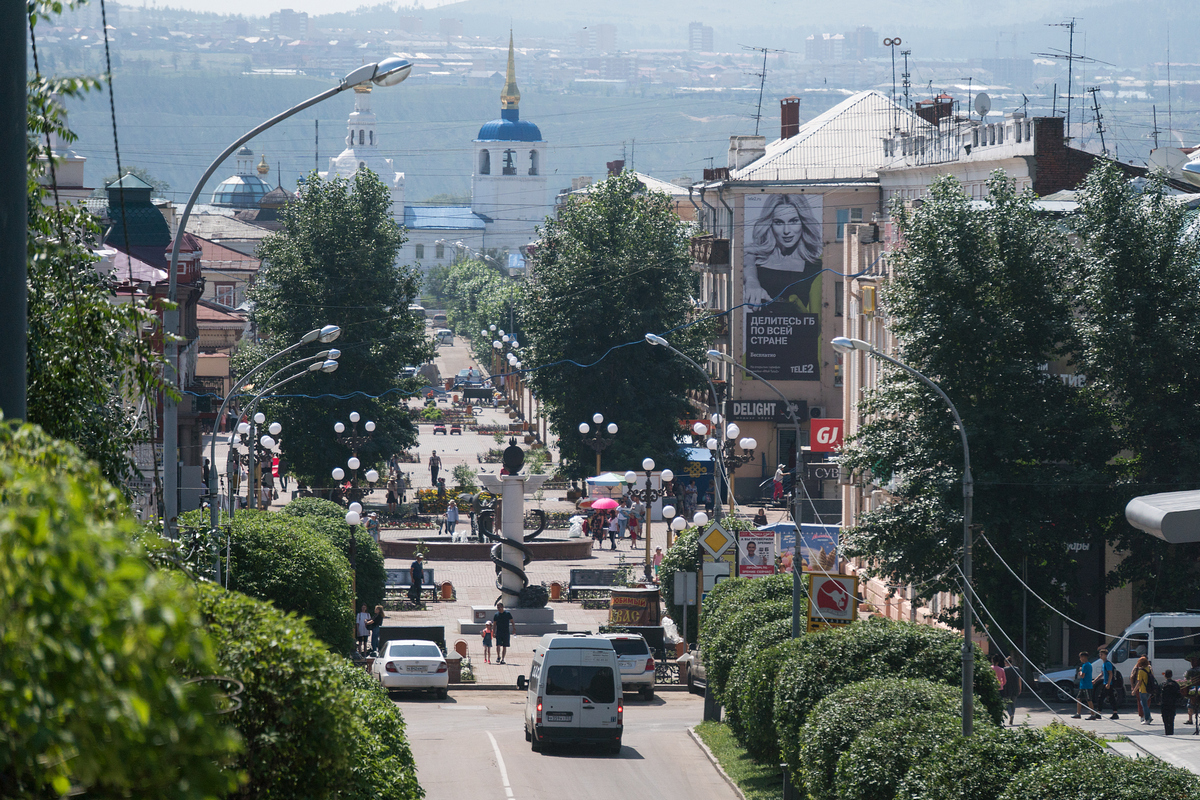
(756, 553)
(832, 600)
(818, 548)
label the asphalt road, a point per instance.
(473, 746)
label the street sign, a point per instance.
(685, 588)
(826, 435)
(715, 572)
(715, 540)
(832, 600)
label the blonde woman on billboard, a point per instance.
(784, 246)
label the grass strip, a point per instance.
(757, 781)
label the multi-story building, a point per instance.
(700, 37)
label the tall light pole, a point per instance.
(598, 443)
(658, 341)
(843, 344)
(648, 496)
(388, 72)
(718, 356)
(13, 197)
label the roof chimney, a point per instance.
(744, 150)
(789, 117)
(615, 167)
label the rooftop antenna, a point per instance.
(1099, 117)
(893, 42)
(906, 83)
(1024, 105)
(762, 80)
(1070, 57)
(1170, 121)
(970, 88)
(317, 147)
(1155, 132)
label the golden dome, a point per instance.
(263, 167)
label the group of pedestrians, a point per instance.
(627, 518)
(1095, 686)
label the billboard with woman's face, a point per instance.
(781, 285)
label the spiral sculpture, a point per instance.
(486, 524)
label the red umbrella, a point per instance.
(605, 503)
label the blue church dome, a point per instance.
(509, 128)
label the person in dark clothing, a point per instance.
(375, 623)
(504, 626)
(1011, 690)
(1169, 698)
(417, 570)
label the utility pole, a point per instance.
(1070, 57)
(317, 147)
(13, 197)
(892, 42)
(1099, 117)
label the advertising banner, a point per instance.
(818, 548)
(634, 607)
(756, 553)
(832, 600)
(825, 435)
(781, 285)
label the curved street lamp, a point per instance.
(648, 496)
(844, 344)
(387, 72)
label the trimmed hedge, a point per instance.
(329, 519)
(1104, 777)
(824, 661)
(838, 719)
(314, 726)
(750, 706)
(722, 649)
(880, 757)
(286, 561)
(982, 766)
(718, 646)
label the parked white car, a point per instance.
(637, 662)
(412, 664)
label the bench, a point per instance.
(398, 581)
(591, 580)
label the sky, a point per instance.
(261, 8)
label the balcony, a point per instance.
(709, 254)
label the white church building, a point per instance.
(509, 195)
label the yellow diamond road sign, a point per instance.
(716, 540)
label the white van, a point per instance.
(1166, 639)
(574, 693)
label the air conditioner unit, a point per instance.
(816, 412)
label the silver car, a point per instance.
(412, 664)
(637, 663)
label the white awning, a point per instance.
(1173, 517)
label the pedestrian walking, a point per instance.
(658, 557)
(1140, 681)
(376, 626)
(373, 526)
(451, 517)
(1012, 689)
(623, 517)
(998, 671)
(391, 502)
(401, 488)
(504, 626)
(283, 473)
(1169, 700)
(689, 499)
(777, 484)
(1105, 681)
(1083, 688)
(205, 472)
(435, 466)
(596, 525)
(416, 576)
(612, 531)
(361, 630)
(487, 643)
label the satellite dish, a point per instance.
(983, 104)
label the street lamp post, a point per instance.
(597, 442)
(727, 453)
(658, 341)
(388, 72)
(353, 518)
(354, 440)
(844, 344)
(647, 496)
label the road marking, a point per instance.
(508, 792)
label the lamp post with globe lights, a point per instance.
(353, 519)
(726, 452)
(647, 496)
(354, 440)
(597, 442)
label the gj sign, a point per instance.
(825, 436)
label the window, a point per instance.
(510, 162)
(397, 650)
(594, 683)
(839, 303)
(420, 252)
(533, 162)
(838, 368)
(226, 294)
(1133, 647)
(362, 137)
(371, 137)
(631, 647)
(485, 162)
(845, 216)
(1179, 648)
(440, 252)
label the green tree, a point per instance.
(433, 283)
(477, 296)
(612, 266)
(960, 302)
(96, 648)
(91, 364)
(1138, 317)
(329, 519)
(334, 262)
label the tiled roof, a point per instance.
(442, 218)
(845, 142)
